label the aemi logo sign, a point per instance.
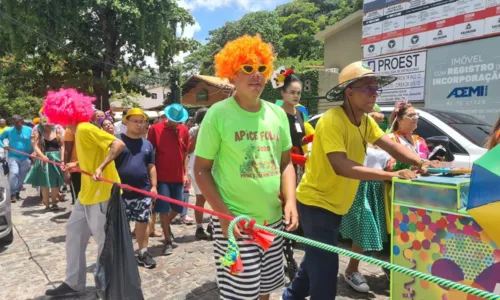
(469, 91)
(415, 39)
(391, 44)
(371, 48)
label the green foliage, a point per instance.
(103, 41)
(26, 106)
(290, 28)
(310, 82)
(264, 23)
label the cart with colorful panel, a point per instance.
(448, 226)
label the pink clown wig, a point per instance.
(68, 107)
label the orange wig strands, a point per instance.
(244, 50)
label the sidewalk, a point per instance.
(36, 261)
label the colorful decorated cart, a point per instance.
(448, 226)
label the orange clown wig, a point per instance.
(244, 50)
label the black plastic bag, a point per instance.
(117, 275)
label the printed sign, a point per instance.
(469, 22)
(393, 27)
(492, 17)
(441, 23)
(465, 78)
(409, 68)
(372, 27)
(416, 19)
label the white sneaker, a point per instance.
(357, 282)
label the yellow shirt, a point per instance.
(320, 186)
(92, 146)
(3, 129)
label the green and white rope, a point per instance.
(234, 252)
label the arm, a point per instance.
(3, 136)
(34, 144)
(288, 186)
(288, 178)
(192, 144)
(68, 150)
(186, 167)
(343, 166)
(62, 144)
(206, 183)
(63, 153)
(115, 149)
(399, 152)
(152, 178)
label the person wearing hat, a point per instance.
(334, 170)
(136, 167)
(96, 150)
(242, 159)
(170, 139)
(120, 126)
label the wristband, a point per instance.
(421, 164)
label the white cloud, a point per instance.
(188, 32)
(247, 5)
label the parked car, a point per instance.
(6, 231)
(467, 134)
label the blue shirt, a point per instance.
(18, 140)
(132, 164)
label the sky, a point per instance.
(212, 14)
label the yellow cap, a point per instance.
(135, 112)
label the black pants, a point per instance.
(76, 184)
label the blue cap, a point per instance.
(176, 113)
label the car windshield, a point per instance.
(473, 129)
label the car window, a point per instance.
(473, 129)
(426, 130)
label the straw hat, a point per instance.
(353, 72)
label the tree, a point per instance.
(108, 38)
(264, 23)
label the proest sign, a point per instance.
(399, 64)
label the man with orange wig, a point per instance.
(242, 159)
(96, 150)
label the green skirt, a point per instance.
(365, 223)
(45, 174)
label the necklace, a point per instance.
(365, 144)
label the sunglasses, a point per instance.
(250, 69)
(369, 90)
(412, 116)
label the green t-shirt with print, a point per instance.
(246, 149)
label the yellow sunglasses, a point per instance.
(250, 69)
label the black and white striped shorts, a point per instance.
(262, 274)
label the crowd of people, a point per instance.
(237, 156)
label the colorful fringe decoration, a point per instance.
(260, 237)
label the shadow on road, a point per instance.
(62, 218)
(57, 239)
(31, 201)
(41, 211)
(89, 294)
(208, 290)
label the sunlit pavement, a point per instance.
(36, 260)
